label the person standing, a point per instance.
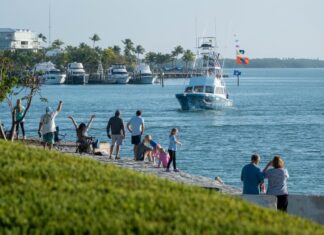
(136, 127)
(47, 125)
(173, 149)
(252, 176)
(277, 182)
(20, 109)
(116, 132)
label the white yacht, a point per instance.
(117, 74)
(143, 75)
(206, 91)
(76, 74)
(49, 74)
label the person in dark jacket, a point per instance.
(116, 132)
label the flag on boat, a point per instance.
(241, 58)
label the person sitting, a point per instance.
(82, 136)
(143, 151)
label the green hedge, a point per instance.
(45, 192)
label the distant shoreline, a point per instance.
(277, 63)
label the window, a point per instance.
(188, 89)
(24, 43)
(198, 88)
(209, 89)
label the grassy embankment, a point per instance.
(49, 192)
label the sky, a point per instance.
(265, 29)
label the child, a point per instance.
(173, 149)
(163, 157)
(155, 146)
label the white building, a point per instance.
(11, 39)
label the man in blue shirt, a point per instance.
(252, 176)
(136, 127)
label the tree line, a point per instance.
(129, 54)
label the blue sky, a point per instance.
(276, 28)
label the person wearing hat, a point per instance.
(47, 125)
(116, 132)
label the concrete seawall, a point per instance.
(306, 206)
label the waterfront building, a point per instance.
(12, 39)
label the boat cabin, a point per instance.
(206, 89)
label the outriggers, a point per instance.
(208, 90)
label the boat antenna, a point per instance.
(196, 42)
(196, 32)
(49, 24)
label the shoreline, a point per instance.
(144, 167)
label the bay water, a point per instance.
(276, 111)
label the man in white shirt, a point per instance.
(136, 127)
(47, 125)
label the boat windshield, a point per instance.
(209, 89)
(188, 89)
(198, 89)
(122, 73)
(54, 72)
(78, 73)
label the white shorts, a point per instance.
(117, 139)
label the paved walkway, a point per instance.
(149, 168)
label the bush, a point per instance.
(45, 192)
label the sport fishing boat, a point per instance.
(76, 74)
(208, 90)
(48, 74)
(143, 75)
(117, 74)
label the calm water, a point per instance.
(277, 111)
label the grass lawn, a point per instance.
(47, 192)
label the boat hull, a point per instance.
(54, 79)
(194, 101)
(143, 80)
(77, 79)
(122, 80)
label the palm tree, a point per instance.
(129, 47)
(139, 51)
(42, 37)
(188, 56)
(178, 50)
(129, 52)
(57, 43)
(116, 49)
(95, 38)
(150, 58)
